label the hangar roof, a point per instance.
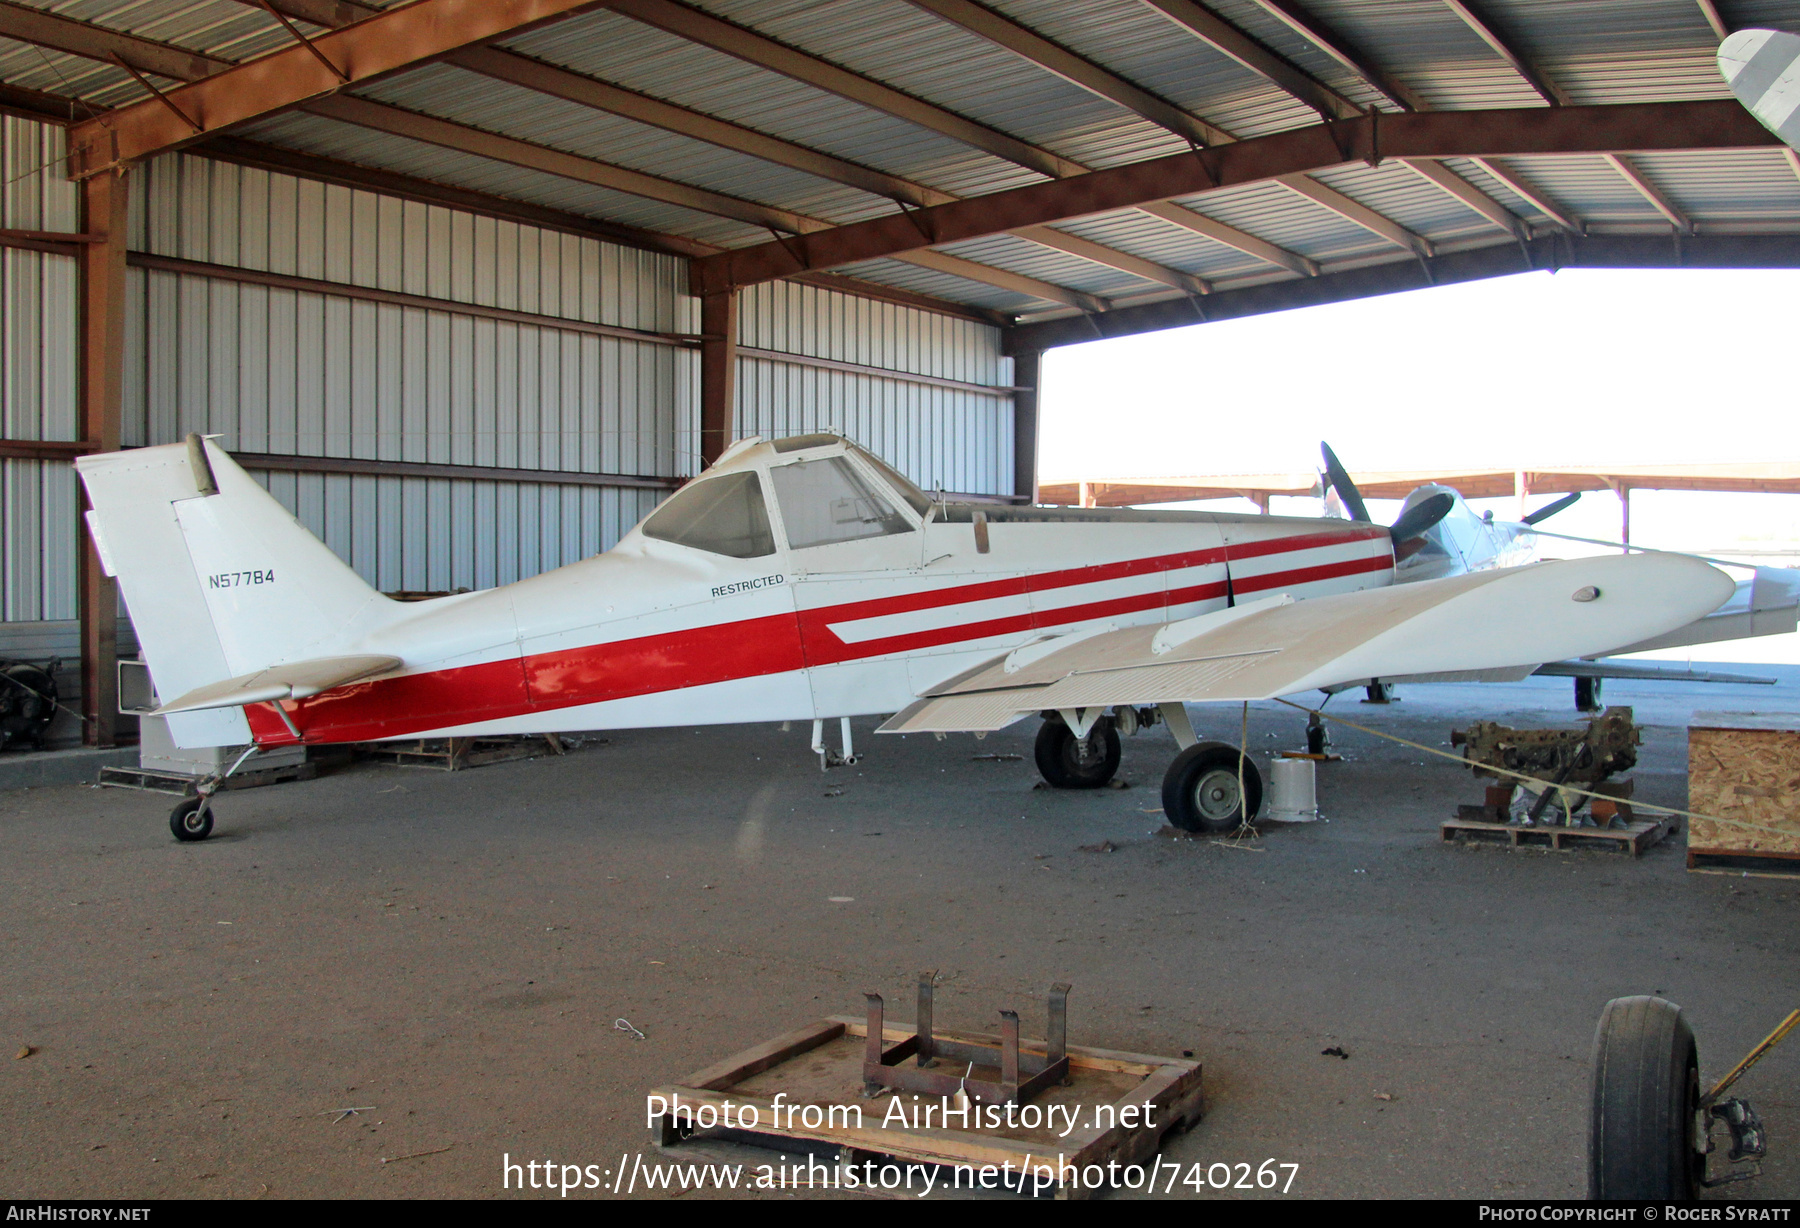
(1072, 168)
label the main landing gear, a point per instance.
(1211, 786)
(1071, 761)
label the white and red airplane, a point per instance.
(802, 578)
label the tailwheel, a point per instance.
(1069, 762)
(192, 819)
(1201, 788)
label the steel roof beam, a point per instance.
(1635, 176)
(1077, 71)
(1018, 283)
(430, 192)
(753, 48)
(1346, 56)
(1232, 237)
(1455, 185)
(586, 91)
(1357, 212)
(29, 25)
(1710, 124)
(391, 40)
(1546, 88)
(425, 191)
(1532, 196)
(327, 13)
(98, 43)
(641, 108)
(1239, 47)
(45, 108)
(1392, 277)
(465, 139)
(1099, 253)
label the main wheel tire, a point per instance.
(1068, 762)
(1200, 789)
(1643, 1122)
(192, 819)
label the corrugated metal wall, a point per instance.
(294, 372)
(37, 378)
(285, 371)
(939, 437)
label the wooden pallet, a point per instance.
(454, 754)
(180, 784)
(1740, 862)
(822, 1065)
(1634, 838)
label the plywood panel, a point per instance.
(1748, 774)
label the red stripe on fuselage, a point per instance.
(753, 648)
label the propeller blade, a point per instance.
(1550, 509)
(1421, 516)
(1339, 477)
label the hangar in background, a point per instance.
(474, 282)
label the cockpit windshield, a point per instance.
(914, 498)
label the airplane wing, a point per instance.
(1482, 623)
(294, 680)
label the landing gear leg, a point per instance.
(192, 818)
(829, 758)
(1378, 692)
(1587, 694)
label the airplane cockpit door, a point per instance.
(852, 543)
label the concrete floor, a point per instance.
(451, 950)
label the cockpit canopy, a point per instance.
(835, 492)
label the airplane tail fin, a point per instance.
(221, 581)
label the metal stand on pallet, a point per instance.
(882, 1067)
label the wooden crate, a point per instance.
(821, 1065)
(1744, 766)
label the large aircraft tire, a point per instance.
(191, 820)
(1066, 764)
(1200, 789)
(1643, 1119)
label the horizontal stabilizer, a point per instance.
(295, 680)
(1508, 619)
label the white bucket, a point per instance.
(1293, 792)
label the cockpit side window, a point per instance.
(826, 500)
(723, 515)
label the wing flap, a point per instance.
(294, 680)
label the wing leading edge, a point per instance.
(1486, 621)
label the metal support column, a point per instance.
(718, 373)
(1026, 373)
(104, 200)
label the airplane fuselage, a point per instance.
(656, 633)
